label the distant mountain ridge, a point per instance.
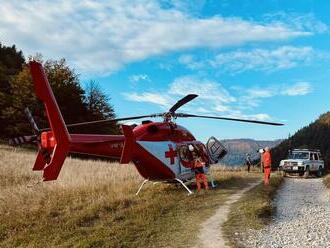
(238, 148)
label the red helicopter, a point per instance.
(160, 151)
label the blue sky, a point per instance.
(264, 60)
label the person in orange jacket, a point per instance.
(200, 175)
(267, 164)
(198, 165)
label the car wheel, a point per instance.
(319, 172)
(306, 174)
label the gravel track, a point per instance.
(302, 218)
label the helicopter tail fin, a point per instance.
(58, 135)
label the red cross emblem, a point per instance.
(171, 154)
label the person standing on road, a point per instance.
(248, 162)
(267, 165)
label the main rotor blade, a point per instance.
(229, 119)
(109, 120)
(182, 102)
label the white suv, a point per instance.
(303, 162)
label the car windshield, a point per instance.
(299, 155)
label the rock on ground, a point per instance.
(302, 217)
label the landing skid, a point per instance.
(141, 186)
(212, 181)
(189, 191)
(176, 179)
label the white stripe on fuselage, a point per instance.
(158, 150)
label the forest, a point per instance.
(76, 103)
(314, 136)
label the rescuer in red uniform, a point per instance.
(267, 163)
(200, 175)
(198, 165)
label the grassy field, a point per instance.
(253, 211)
(93, 204)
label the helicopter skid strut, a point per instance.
(213, 184)
(142, 184)
(189, 191)
(176, 179)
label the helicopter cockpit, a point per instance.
(212, 153)
(189, 152)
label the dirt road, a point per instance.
(302, 218)
(211, 234)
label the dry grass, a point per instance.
(253, 211)
(326, 180)
(93, 204)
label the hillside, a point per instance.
(238, 148)
(314, 136)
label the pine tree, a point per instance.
(99, 108)
(11, 62)
(314, 136)
(76, 105)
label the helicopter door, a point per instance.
(186, 157)
(215, 150)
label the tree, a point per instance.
(11, 62)
(21, 96)
(99, 108)
(66, 87)
(17, 92)
(67, 90)
(314, 136)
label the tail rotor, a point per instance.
(27, 139)
(34, 126)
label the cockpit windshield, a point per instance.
(299, 155)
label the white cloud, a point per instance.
(262, 59)
(252, 97)
(206, 89)
(298, 89)
(260, 93)
(189, 61)
(298, 21)
(260, 117)
(102, 36)
(212, 96)
(138, 77)
(214, 99)
(149, 97)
